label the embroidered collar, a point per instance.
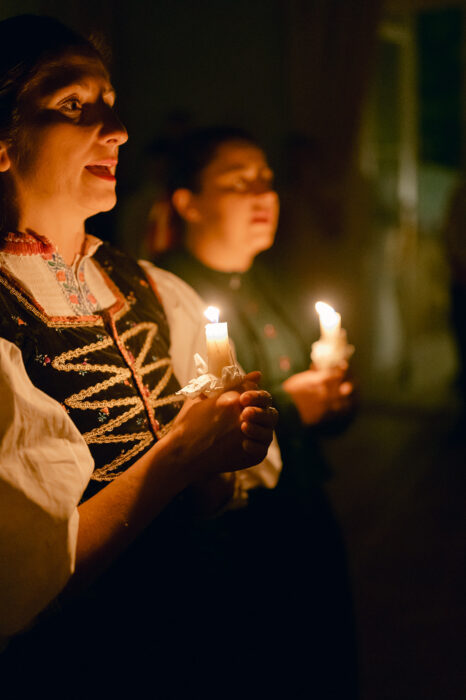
(27, 243)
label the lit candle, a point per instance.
(332, 348)
(330, 322)
(218, 345)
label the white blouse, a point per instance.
(45, 464)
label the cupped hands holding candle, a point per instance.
(320, 394)
(244, 420)
(323, 391)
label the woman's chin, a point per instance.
(263, 242)
(103, 203)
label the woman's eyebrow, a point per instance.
(234, 168)
(58, 78)
(241, 167)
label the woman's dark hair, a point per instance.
(27, 44)
(196, 150)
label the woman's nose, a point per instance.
(262, 187)
(112, 129)
(265, 191)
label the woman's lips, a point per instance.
(103, 169)
(261, 219)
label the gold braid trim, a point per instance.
(108, 439)
(110, 403)
(92, 435)
(173, 398)
(77, 352)
(103, 474)
(152, 329)
(103, 433)
(165, 361)
(157, 390)
(74, 401)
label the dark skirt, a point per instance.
(254, 604)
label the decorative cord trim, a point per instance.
(103, 474)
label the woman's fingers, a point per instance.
(254, 449)
(266, 417)
(259, 433)
(250, 381)
(259, 398)
(253, 376)
(257, 424)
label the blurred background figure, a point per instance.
(224, 198)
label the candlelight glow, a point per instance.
(328, 316)
(332, 348)
(212, 314)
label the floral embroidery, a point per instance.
(103, 415)
(42, 359)
(73, 287)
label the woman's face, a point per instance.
(66, 151)
(237, 207)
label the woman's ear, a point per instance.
(184, 202)
(5, 162)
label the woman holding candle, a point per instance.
(223, 194)
(94, 441)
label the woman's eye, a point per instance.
(240, 185)
(71, 106)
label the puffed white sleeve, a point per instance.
(45, 466)
(184, 309)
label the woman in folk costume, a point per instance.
(96, 447)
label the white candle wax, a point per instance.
(218, 344)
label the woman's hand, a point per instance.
(227, 432)
(209, 436)
(320, 394)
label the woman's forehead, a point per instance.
(237, 155)
(69, 69)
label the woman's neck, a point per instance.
(214, 255)
(67, 235)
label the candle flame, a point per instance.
(327, 313)
(212, 314)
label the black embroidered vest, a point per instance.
(111, 372)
